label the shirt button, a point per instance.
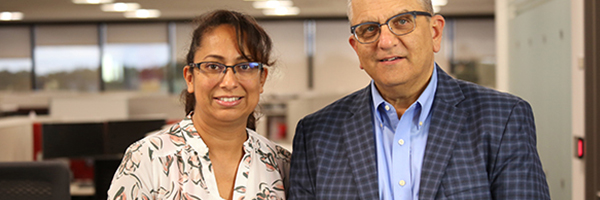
(387, 107)
(402, 183)
(420, 123)
(380, 125)
(401, 142)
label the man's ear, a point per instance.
(437, 30)
(354, 43)
(188, 76)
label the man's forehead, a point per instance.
(381, 10)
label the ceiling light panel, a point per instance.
(92, 1)
(439, 2)
(281, 11)
(120, 7)
(143, 13)
(271, 4)
(11, 16)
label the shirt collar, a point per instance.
(188, 132)
(425, 100)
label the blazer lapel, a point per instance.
(360, 146)
(446, 123)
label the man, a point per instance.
(414, 132)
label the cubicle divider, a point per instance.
(94, 149)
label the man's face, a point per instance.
(392, 60)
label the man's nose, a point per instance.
(387, 39)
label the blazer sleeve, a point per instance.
(302, 184)
(518, 172)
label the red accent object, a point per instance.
(82, 169)
(580, 147)
(37, 140)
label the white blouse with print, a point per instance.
(174, 164)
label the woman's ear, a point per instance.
(263, 78)
(188, 75)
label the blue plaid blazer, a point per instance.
(481, 145)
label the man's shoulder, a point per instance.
(480, 96)
(338, 108)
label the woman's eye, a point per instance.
(244, 67)
(212, 67)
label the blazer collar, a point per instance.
(360, 145)
(446, 124)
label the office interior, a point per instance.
(118, 79)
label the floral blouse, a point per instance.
(174, 164)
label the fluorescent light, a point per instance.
(143, 13)
(436, 9)
(282, 11)
(439, 2)
(120, 7)
(11, 16)
(271, 4)
(92, 1)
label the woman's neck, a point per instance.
(221, 138)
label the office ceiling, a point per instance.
(66, 11)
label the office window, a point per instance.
(135, 57)
(67, 57)
(472, 50)
(15, 58)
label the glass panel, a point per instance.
(135, 57)
(68, 67)
(474, 51)
(183, 38)
(67, 57)
(15, 59)
(135, 66)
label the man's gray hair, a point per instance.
(426, 4)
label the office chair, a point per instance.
(46, 180)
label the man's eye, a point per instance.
(371, 29)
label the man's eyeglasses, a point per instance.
(243, 71)
(400, 24)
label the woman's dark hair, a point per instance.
(250, 36)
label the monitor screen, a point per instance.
(121, 134)
(72, 140)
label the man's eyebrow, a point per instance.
(401, 12)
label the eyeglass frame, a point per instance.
(413, 13)
(197, 65)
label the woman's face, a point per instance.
(222, 99)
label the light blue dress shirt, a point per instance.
(400, 143)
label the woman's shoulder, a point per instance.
(262, 144)
(162, 142)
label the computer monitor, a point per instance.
(72, 140)
(121, 134)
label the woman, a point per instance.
(213, 153)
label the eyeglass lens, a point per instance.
(243, 71)
(399, 25)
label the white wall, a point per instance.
(16, 139)
(537, 45)
(289, 75)
(578, 97)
